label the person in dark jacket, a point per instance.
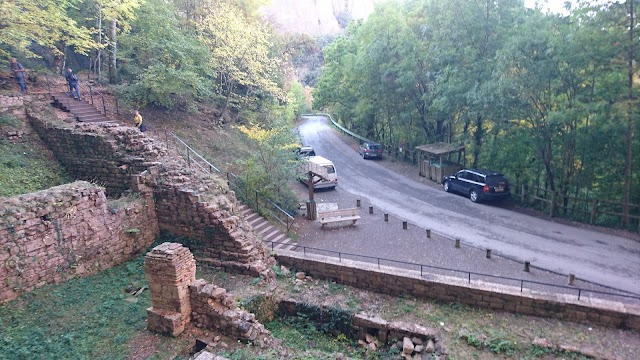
(72, 80)
(18, 72)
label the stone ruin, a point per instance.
(179, 299)
(121, 160)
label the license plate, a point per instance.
(499, 189)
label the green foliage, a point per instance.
(26, 166)
(80, 319)
(516, 86)
(163, 64)
(22, 23)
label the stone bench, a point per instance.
(339, 215)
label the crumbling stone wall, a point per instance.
(69, 231)
(108, 154)
(179, 299)
(205, 209)
(170, 269)
(14, 105)
(189, 204)
(396, 281)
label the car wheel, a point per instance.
(473, 195)
(364, 156)
(446, 186)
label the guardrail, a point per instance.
(260, 203)
(250, 196)
(467, 274)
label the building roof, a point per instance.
(440, 148)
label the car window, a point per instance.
(496, 180)
(330, 169)
(374, 146)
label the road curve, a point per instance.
(593, 256)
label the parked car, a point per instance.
(326, 177)
(370, 150)
(305, 152)
(478, 184)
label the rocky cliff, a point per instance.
(317, 17)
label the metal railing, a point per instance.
(467, 274)
(259, 202)
(251, 197)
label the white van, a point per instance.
(324, 167)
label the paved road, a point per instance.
(605, 259)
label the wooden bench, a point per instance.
(339, 215)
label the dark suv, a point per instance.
(370, 150)
(478, 184)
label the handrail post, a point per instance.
(48, 84)
(117, 107)
(104, 106)
(257, 206)
(91, 94)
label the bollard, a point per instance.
(357, 202)
(572, 279)
(404, 225)
(429, 233)
(370, 209)
(386, 217)
(458, 243)
(488, 253)
(526, 266)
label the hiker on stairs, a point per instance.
(72, 80)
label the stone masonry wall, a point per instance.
(395, 281)
(179, 299)
(69, 231)
(204, 208)
(197, 206)
(14, 105)
(108, 154)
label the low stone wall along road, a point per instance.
(605, 259)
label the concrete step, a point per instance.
(278, 238)
(286, 244)
(273, 233)
(261, 225)
(265, 229)
(96, 120)
(251, 216)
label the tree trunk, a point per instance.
(628, 141)
(113, 70)
(478, 140)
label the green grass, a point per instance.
(26, 165)
(87, 318)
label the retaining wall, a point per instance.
(396, 281)
(69, 231)
(14, 105)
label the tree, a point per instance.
(24, 22)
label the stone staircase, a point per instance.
(267, 231)
(82, 110)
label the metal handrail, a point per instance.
(468, 273)
(272, 208)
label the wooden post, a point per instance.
(594, 206)
(488, 253)
(311, 204)
(527, 265)
(553, 203)
(457, 244)
(429, 233)
(386, 217)
(404, 225)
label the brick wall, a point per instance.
(395, 281)
(69, 231)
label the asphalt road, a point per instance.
(593, 256)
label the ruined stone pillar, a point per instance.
(169, 268)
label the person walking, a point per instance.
(72, 80)
(137, 119)
(18, 71)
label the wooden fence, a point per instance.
(587, 210)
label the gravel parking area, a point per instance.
(374, 240)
